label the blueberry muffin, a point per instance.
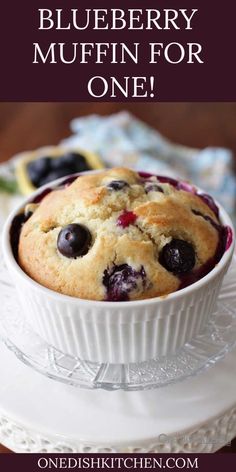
(119, 235)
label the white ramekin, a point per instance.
(117, 332)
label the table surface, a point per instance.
(28, 125)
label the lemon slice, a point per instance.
(23, 159)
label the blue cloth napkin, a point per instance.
(121, 139)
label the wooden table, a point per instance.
(29, 125)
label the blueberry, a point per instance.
(74, 240)
(28, 214)
(55, 174)
(178, 256)
(59, 163)
(79, 160)
(42, 195)
(15, 231)
(215, 225)
(75, 161)
(152, 187)
(29, 210)
(38, 169)
(117, 185)
(208, 200)
(72, 157)
(121, 280)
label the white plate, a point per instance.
(43, 416)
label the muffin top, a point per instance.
(119, 235)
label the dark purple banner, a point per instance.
(114, 50)
(122, 462)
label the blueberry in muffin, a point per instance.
(118, 235)
(73, 240)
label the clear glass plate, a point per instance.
(204, 351)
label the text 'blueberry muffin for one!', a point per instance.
(119, 235)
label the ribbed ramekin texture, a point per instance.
(123, 333)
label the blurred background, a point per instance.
(28, 125)
(192, 141)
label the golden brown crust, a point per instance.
(88, 201)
